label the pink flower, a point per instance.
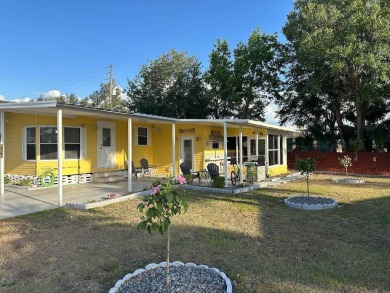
(181, 179)
(155, 189)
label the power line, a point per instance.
(61, 83)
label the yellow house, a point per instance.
(95, 141)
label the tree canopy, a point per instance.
(339, 56)
(169, 86)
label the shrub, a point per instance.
(7, 180)
(219, 182)
(188, 178)
(25, 182)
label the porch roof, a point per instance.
(236, 123)
(71, 110)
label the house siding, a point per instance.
(158, 152)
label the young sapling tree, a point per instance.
(165, 201)
(306, 167)
(346, 162)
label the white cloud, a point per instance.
(51, 93)
(24, 100)
(270, 114)
(122, 94)
(2, 97)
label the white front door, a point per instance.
(106, 144)
(187, 151)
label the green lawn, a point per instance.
(261, 244)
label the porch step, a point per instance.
(109, 178)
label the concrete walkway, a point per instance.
(17, 202)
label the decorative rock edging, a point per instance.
(86, 206)
(221, 190)
(12, 186)
(348, 180)
(309, 206)
(151, 266)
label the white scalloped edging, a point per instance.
(86, 206)
(229, 288)
(310, 207)
(348, 180)
(231, 190)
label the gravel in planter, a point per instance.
(348, 180)
(183, 279)
(310, 203)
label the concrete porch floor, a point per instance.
(17, 202)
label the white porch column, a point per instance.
(257, 142)
(173, 150)
(59, 155)
(266, 154)
(129, 156)
(241, 154)
(225, 152)
(2, 157)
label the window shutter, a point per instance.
(24, 145)
(135, 142)
(149, 136)
(83, 143)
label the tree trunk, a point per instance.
(359, 123)
(168, 248)
(307, 182)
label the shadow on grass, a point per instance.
(261, 244)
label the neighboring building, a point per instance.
(97, 140)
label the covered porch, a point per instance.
(16, 202)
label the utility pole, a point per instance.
(110, 99)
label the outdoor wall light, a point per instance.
(197, 139)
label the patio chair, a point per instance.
(135, 170)
(186, 170)
(213, 171)
(146, 168)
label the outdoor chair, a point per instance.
(213, 170)
(135, 171)
(146, 168)
(186, 170)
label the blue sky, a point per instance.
(68, 45)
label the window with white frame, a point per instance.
(273, 150)
(72, 142)
(75, 145)
(48, 143)
(142, 136)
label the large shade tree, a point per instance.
(219, 79)
(342, 48)
(169, 86)
(256, 75)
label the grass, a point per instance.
(261, 244)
